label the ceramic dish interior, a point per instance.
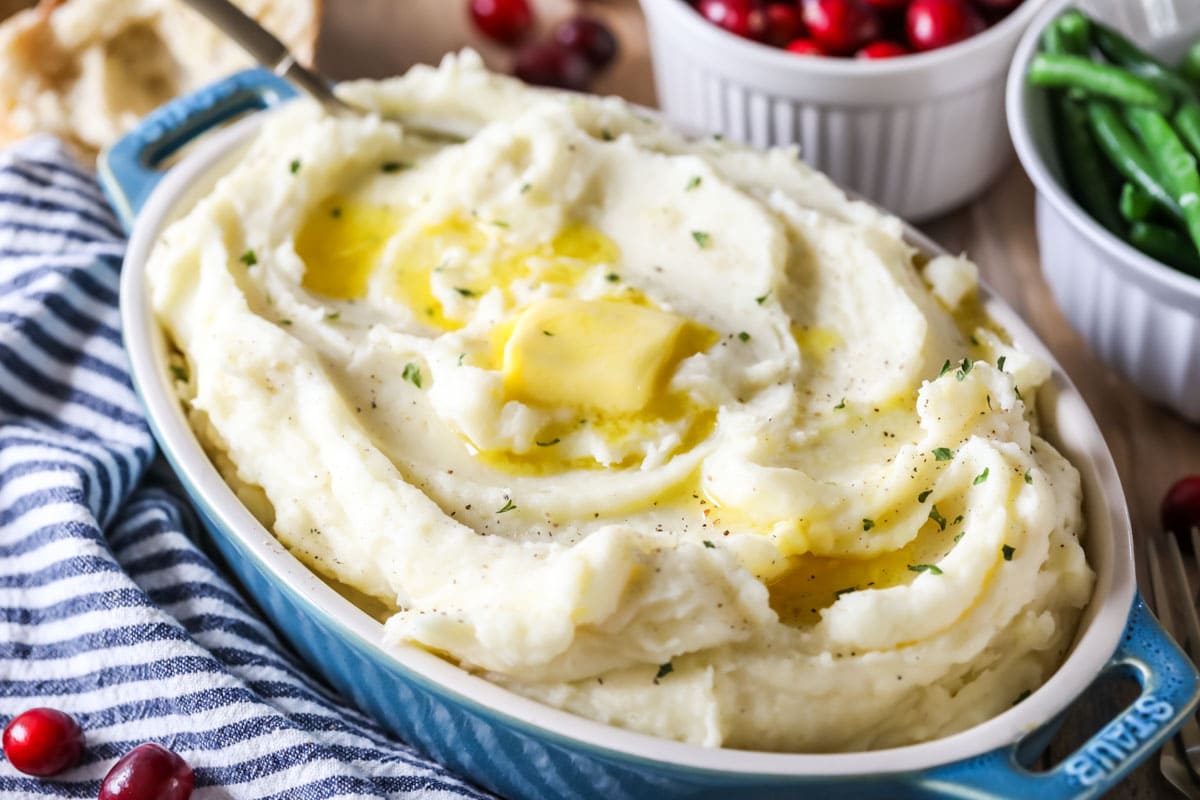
(1139, 315)
(130, 181)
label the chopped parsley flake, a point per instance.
(294, 167)
(333, 316)
(499, 223)
(958, 536)
(923, 496)
(525, 187)
(937, 517)
(664, 670)
(550, 443)
(461, 356)
(179, 373)
(1028, 478)
(412, 374)
(932, 569)
(964, 369)
(464, 292)
(249, 258)
(336, 212)
(1008, 551)
(606, 134)
(694, 183)
(395, 166)
(546, 333)
(612, 277)
(868, 524)
(762, 299)
(945, 368)
(847, 590)
(840, 405)
(285, 322)
(1017, 392)
(745, 337)
(702, 238)
(981, 477)
(957, 519)
(709, 545)
(508, 506)
(1000, 363)
(943, 453)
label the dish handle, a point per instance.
(130, 169)
(1170, 688)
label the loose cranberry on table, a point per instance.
(841, 26)
(148, 772)
(589, 37)
(43, 742)
(506, 21)
(552, 64)
(877, 50)
(744, 18)
(1180, 510)
(938, 23)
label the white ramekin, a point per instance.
(919, 135)
(1141, 317)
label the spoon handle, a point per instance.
(267, 50)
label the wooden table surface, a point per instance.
(1152, 448)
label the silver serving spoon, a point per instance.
(273, 54)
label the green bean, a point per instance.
(1074, 30)
(1102, 80)
(1189, 67)
(1084, 165)
(1136, 205)
(1187, 125)
(1165, 245)
(1053, 41)
(1127, 155)
(1125, 53)
(1176, 165)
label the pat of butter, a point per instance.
(597, 354)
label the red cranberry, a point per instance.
(506, 21)
(741, 17)
(937, 23)
(783, 23)
(589, 37)
(552, 64)
(148, 772)
(805, 47)
(1180, 510)
(43, 742)
(877, 50)
(841, 26)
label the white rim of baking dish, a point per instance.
(1164, 282)
(1108, 540)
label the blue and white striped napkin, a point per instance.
(110, 611)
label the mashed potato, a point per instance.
(669, 434)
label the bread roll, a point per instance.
(88, 70)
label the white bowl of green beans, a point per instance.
(1104, 110)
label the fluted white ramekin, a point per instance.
(919, 135)
(1140, 316)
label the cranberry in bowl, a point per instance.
(899, 100)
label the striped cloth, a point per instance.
(110, 612)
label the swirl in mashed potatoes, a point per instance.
(667, 433)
